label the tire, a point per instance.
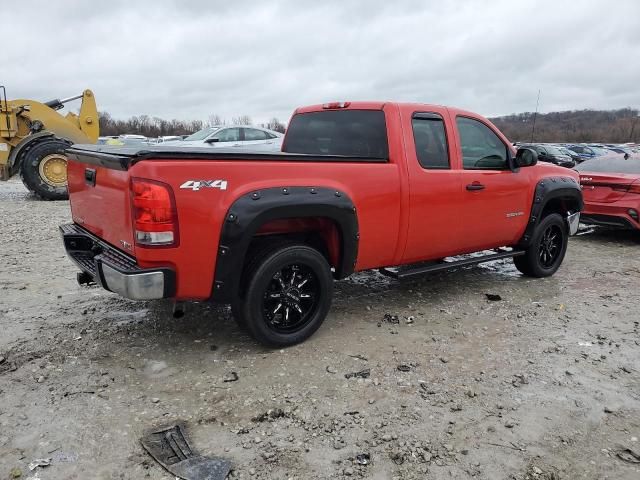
(547, 250)
(255, 255)
(33, 172)
(287, 297)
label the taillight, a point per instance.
(155, 219)
(634, 188)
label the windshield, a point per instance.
(553, 150)
(202, 134)
(599, 151)
(610, 165)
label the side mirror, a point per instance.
(526, 157)
(212, 140)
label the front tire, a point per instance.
(287, 297)
(547, 250)
(44, 169)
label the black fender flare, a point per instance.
(15, 157)
(547, 190)
(253, 209)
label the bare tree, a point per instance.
(242, 120)
(275, 125)
(215, 119)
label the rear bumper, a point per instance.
(610, 221)
(614, 214)
(113, 270)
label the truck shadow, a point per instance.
(363, 294)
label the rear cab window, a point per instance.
(430, 140)
(350, 133)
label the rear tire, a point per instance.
(44, 169)
(288, 295)
(547, 250)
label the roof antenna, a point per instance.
(533, 129)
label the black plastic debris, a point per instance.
(169, 447)
(361, 374)
(231, 377)
(363, 459)
(493, 297)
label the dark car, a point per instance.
(586, 151)
(551, 154)
(574, 156)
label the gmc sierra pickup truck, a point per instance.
(358, 185)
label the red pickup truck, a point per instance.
(358, 185)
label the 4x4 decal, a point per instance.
(196, 185)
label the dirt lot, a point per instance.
(544, 383)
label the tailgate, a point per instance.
(100, 200)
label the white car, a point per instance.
(225, 136)
(168, 138)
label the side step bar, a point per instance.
(409, 271)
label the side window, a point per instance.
(251, 134)
(228, 135)
(431, 140)
(481, 148)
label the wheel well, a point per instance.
(322, 233)
(561, 205)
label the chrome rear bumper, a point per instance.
(114, 270)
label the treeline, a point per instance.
(607, 126)
(156, 127)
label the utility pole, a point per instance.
(533, 129)
(633, 125)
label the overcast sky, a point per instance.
(263, 59)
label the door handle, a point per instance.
(475, 186)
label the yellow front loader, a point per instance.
(34, 136)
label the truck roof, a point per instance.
(379, 105)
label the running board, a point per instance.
(409, 271)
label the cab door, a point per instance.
(435, 198)
(496, 199)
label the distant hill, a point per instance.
(607, 126)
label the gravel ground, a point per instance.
(542, 384)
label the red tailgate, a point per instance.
(100, 202)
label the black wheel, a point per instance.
(44, 169)
(547, 250)
(288, 295)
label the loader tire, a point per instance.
(44, 169)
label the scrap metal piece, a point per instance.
(170, 448)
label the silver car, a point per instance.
(246, 136)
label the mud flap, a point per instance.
(170, 448)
